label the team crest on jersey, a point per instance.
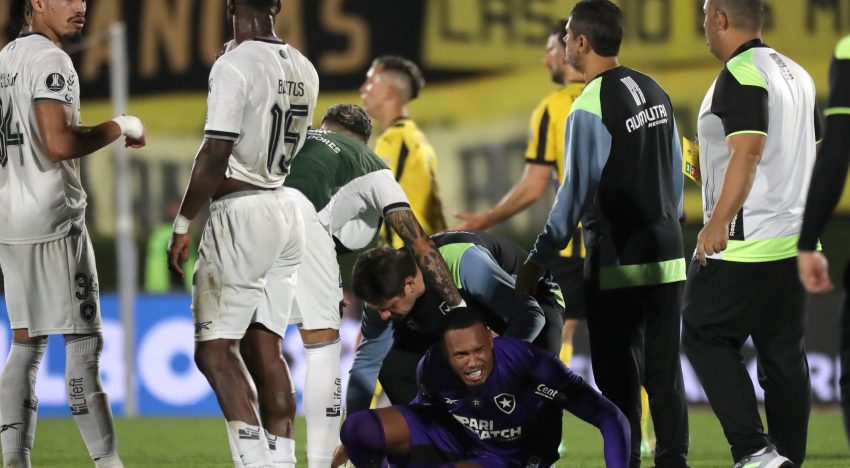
(505, 402)
(55, 82)
(88, 311)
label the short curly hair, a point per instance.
(351, 117)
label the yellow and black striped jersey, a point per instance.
(546, 141)
(413, 162)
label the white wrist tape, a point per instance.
(181, 224)
(130, 126)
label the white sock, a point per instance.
(322, 401)
(234, 450)
(18, 403)
(89, 405)
(109, 461)
(282, 450)
(252, 445)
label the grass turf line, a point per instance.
(188, 442)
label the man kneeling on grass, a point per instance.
(483, 401)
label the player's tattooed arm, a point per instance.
(433, 267)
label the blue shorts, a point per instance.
(438, 440)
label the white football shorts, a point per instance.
(249, 254)
(52, 287)
(319, 292)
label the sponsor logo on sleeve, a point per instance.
(547, 392)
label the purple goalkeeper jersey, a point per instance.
(516, 412)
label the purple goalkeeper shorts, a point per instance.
(438, 440)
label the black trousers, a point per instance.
(569, 274)
(844, 380)
(634, 341)
(398, 375)
(727, 302)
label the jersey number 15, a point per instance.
(281, 125)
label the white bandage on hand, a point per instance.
(130, 126)
(181, 224)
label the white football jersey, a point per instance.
(262, 96)
(39, 199)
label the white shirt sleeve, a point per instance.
(387, 194)
(226, 102)
(54, 79)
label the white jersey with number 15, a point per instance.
(262, 96)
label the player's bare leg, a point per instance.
(322, 394)
(260, 349)
(220, 362)
(18, 403)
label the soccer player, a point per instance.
(45, 252)
(261, 99)
(824, 191)
(343, 191)
(623, 176)
(483, 402)
(757, 133)
(392, 286)
(391, 83)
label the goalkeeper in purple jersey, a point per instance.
(483, 401)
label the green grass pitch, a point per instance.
(184, 442)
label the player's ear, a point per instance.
(584, 46)
(276, 8)
(409, 285)
(722, 20)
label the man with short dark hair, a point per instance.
(757, 132)
(392, 82)
(392, 287)
(343, 192)
(50, 277)
(483, 402)
(623, 178)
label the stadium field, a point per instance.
(179, 442)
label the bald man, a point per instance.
(757, 117)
